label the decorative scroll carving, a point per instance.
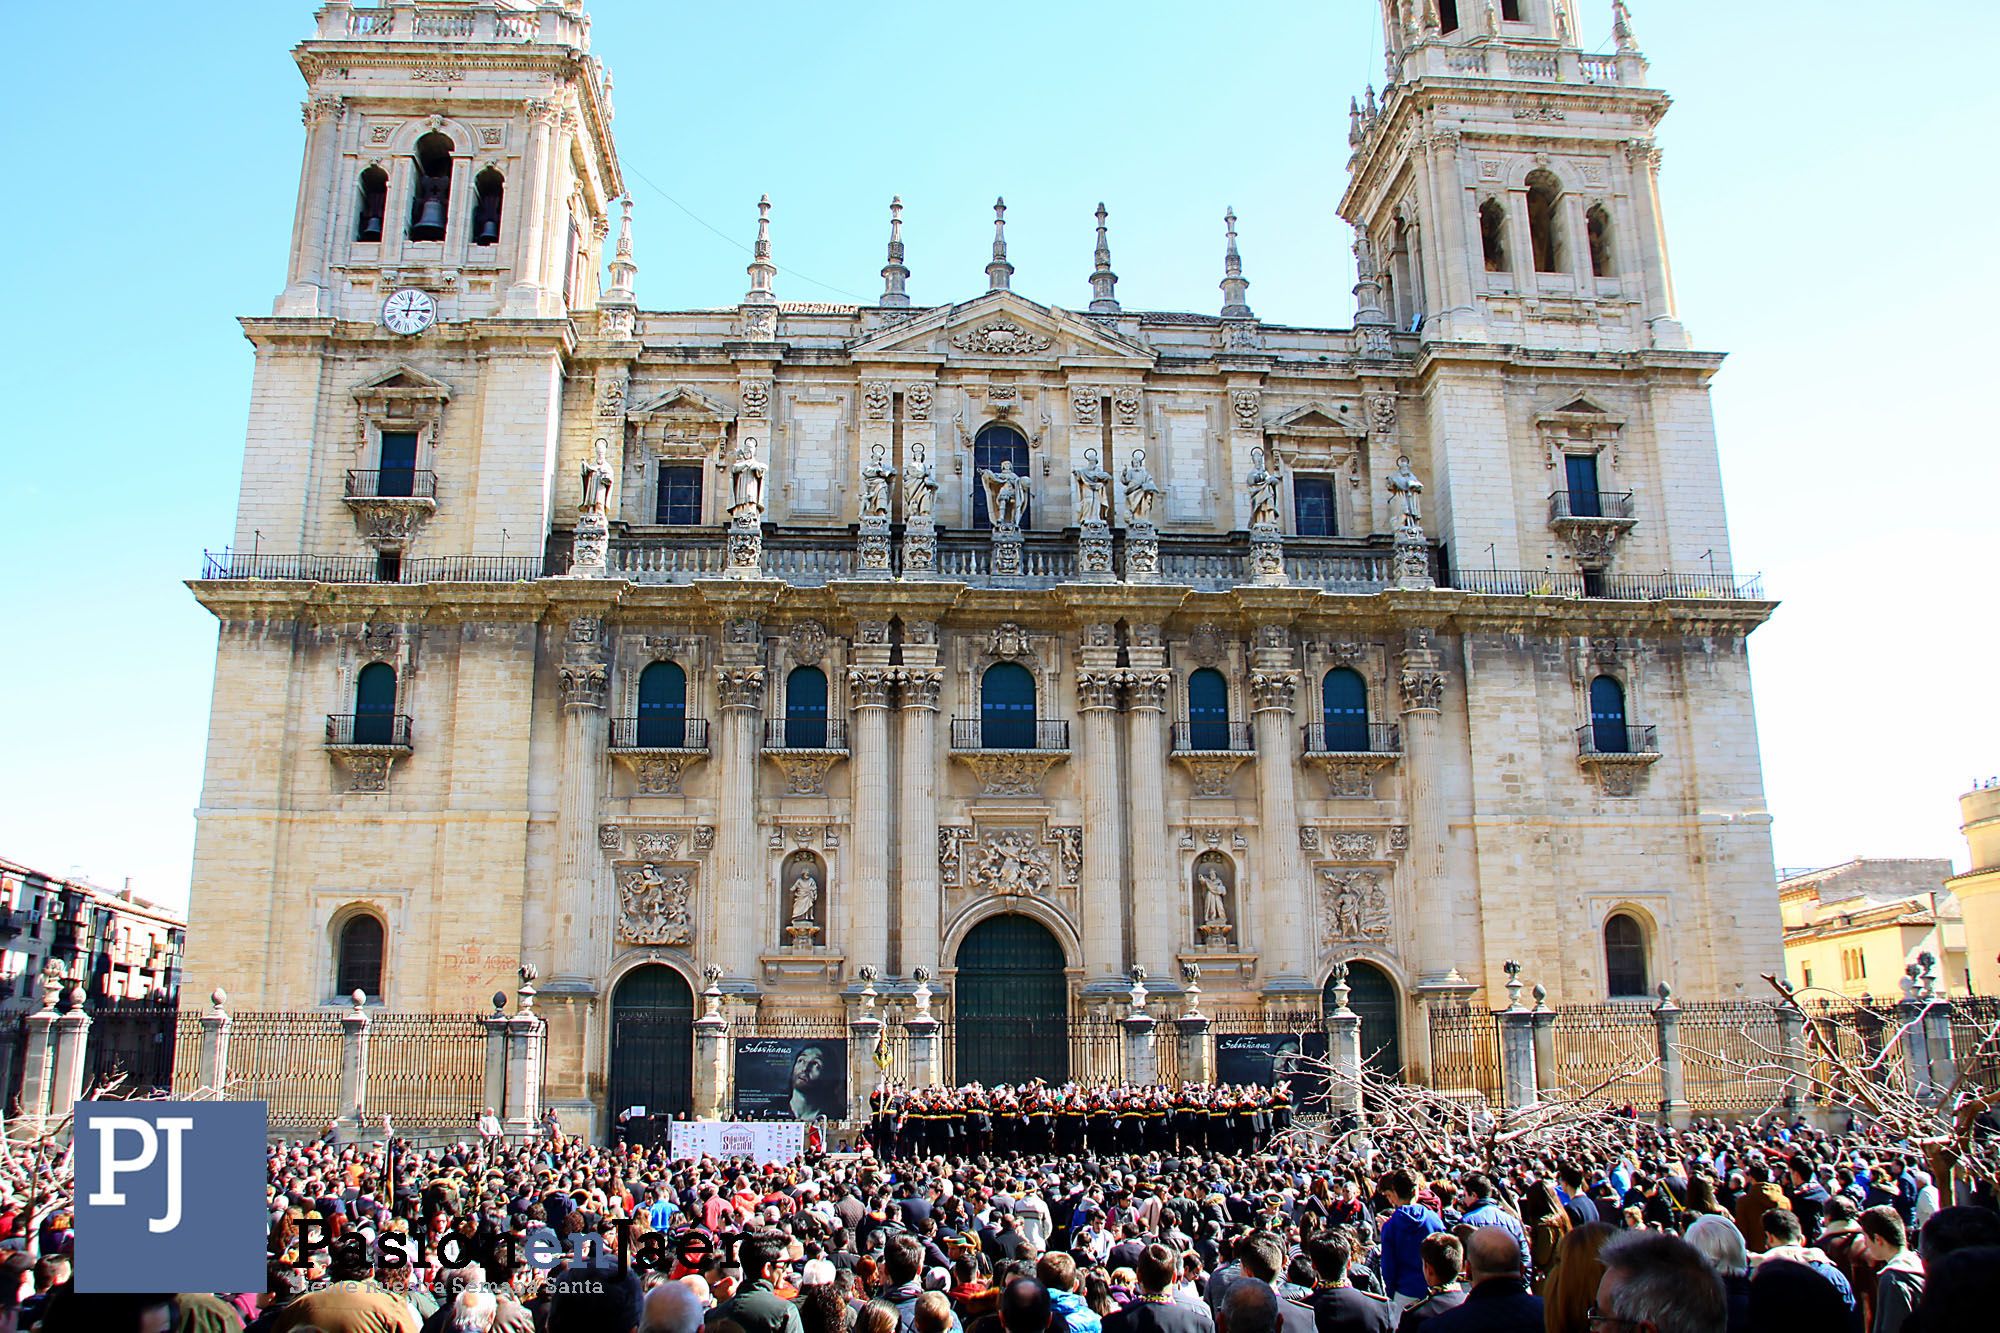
(655, 908)
(951, 847)
(1009, 772)
(741, 687)
(920, 687)
(367, 767)
(1423, 689)
(1097, 689)
(660, 774)
(1001, 337)
(1350, 776)
(805, 770)
(1351, 846)
(610, 838)
(808, 643)
(1213, 771)
(1083, 405)
(1008, 863)
(1206, 643)
(917, 402)
(1009, 641)
(869, 687)
(1248, 406)
(658, 843)
(876, 398)
(1125, 402)
(1068, 840)
(1273, 690)
(1147, 689)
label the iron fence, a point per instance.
(1975, 1039)
(290, 1062)
(1732, 1056)
(129, 1048)
(659, 733)
(424, 1069)
(1207, 737)
(805, 733)
(307, 568)
(1465, 1050)
(390, 729)
(391, 484)
(1609, 1052)
(1006, 733)
(1354, 738)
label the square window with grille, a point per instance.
(680, 495)
(1312, 505)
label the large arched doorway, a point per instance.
(652, 1043)
(1011, 1004)
(1373, 996)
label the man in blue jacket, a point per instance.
(1402, 1242)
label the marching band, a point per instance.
(1037, 1117)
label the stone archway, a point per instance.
(652, 1043)
(1010, 1003)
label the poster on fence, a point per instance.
(791, 1078)
(763, 1141)
(1263, 1059)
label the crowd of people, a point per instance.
(1037, 1118)
(1630, 1228)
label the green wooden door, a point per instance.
(1011, 1007)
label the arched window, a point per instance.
(1007, 707)
(489, 191)
(1510, 11)
(805, 709)
(993, 449)
(1208, 710)
(430, 192)
(663, 689)
(1624, 956)
(357, 957)
(1599, 222)
(1608, 732)
(375, 706)
(1448, 15)
(1344, 708)
(1544, 221)
(1493, 235)
(374, 203)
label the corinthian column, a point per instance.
(1422, 684)
(1156, 889)
(1103, 881)
(865, 898)
(918, 899)
(581, 935)
(739, 903)
(1281, 930)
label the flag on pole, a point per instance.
(882, 1047)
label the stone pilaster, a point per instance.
(864, 908)
(740, 904)
(1158, 904)
(1279, 931)
(1423, 683)
(920, 690)
(581, 943)
(1104, 803)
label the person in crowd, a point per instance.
(1658, 1283)
(1899, 1272)
(1499, 1300)
(1722, 1245)
(1483, 1210)
(756, 1306)
(1337, 1305)
(1158, 1309)
(1410, 1224)
(1759, 1197)
(1788, 1297)
(1443, 1258)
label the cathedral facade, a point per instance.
(1002, 645)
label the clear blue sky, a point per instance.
(1829, 220)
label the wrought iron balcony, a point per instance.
(1591, 506)
(1622, 740)
(390, 731)
(391, 484)
(1213, 737)
(974, 733)
(1607, 587)
(660, 733)
(1354, 738)
(229, 565)
(805, 733)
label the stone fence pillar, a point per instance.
(1674, 1108)
(1195, 1033)
(1544, 1024)
(864, 1032)
(926, 1069)
(1519, 1088)
(354, 1026)
(525, 1049)
(1792, 1053)
(1343, 1050)
(212, 1061)
(494, 1085)
(711, 1051)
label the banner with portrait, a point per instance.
(791, 1078)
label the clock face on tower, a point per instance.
(409, 311)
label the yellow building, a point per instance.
(1978, 889)
(1855, 927)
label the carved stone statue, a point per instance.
(1266, 489)
(1009, 863)
(805, 898)
(875, 481)
(919, 485)
(1356, 906)
(1141, 491)
(1006, 495)
(746, 482)
(1214, 898)
(1093, 490)
(596, 481)
(1404, 488)
(653, 908)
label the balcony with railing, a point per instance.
(389, 731)
(1211, 751)
(1617, 753)
(1006, 733)
(418, 485)
(1608, 587)
(229, 566)
(805, 733)
(1592, 506)
(658, 750)
(403, 21)
(1351, 754)
(1009, 756)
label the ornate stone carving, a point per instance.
(1241, 335)
(1213, 876)
(1308, 838)
(1000, 337)
(1247, 404)
(1068, 839)
(741, 686)
(951, 848)
(655, 908)
(1009, 772)
(583, 683)
(1399, 838)
(1213, 771)
(1125, 402)
(755, 398)
(1096, 689)
(704, 838)
(1354, 905)
(1009, 641)
(610, 838)
(1347, 652)
(742, 632)
(876, 399)
(611, 399)
(367, 767)
(657, 844)
(1083, 400)
(660, 774)
(869, 687)
(390, 524)
(917, 402)
(1205, 644)
(1008, 863)
(1423, 689)
(1148, 689)
(1382, 413)
(1272, 690)
(1351, 846)
(805, 770)
(808, 643)
(1350, 776)
(919, 687)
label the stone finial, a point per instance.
(1621, 26)
(1540, 995)
(999, 273)
(218, 998)
(1341, 990)
(52, 981)
(1103, 282)
(1138, 991)
(623, 268)
(357, 998)
(499, 1002)
(922, 995)
(761, 269)
(1235, 287)
(1367, 281)
(1513, 971)
(895, 273)
(1354, 135)
(1666, 994)
(867, 973)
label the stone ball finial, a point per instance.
(218, 997)
(1541, 994)
(499, 1001)
(358, 998)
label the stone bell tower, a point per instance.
(1507, 180)
(462, 148)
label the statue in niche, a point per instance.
(1404, 509)
(1267, 479)
(746, 482)
(1006, 495)
(875, 480)
(1214, 890)
(596, 481)
(802, 919)
(919, 485)
(1093, 490)
(1141, 491)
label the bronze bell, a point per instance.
(429, 225)
(371, 229)
(489, 231)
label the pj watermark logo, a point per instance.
(170, 1196)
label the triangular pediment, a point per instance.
(402, 382)
(1001, 327)
(682, 403)
(1316, 419)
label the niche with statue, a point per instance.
(1215, 900)
(803, 894)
